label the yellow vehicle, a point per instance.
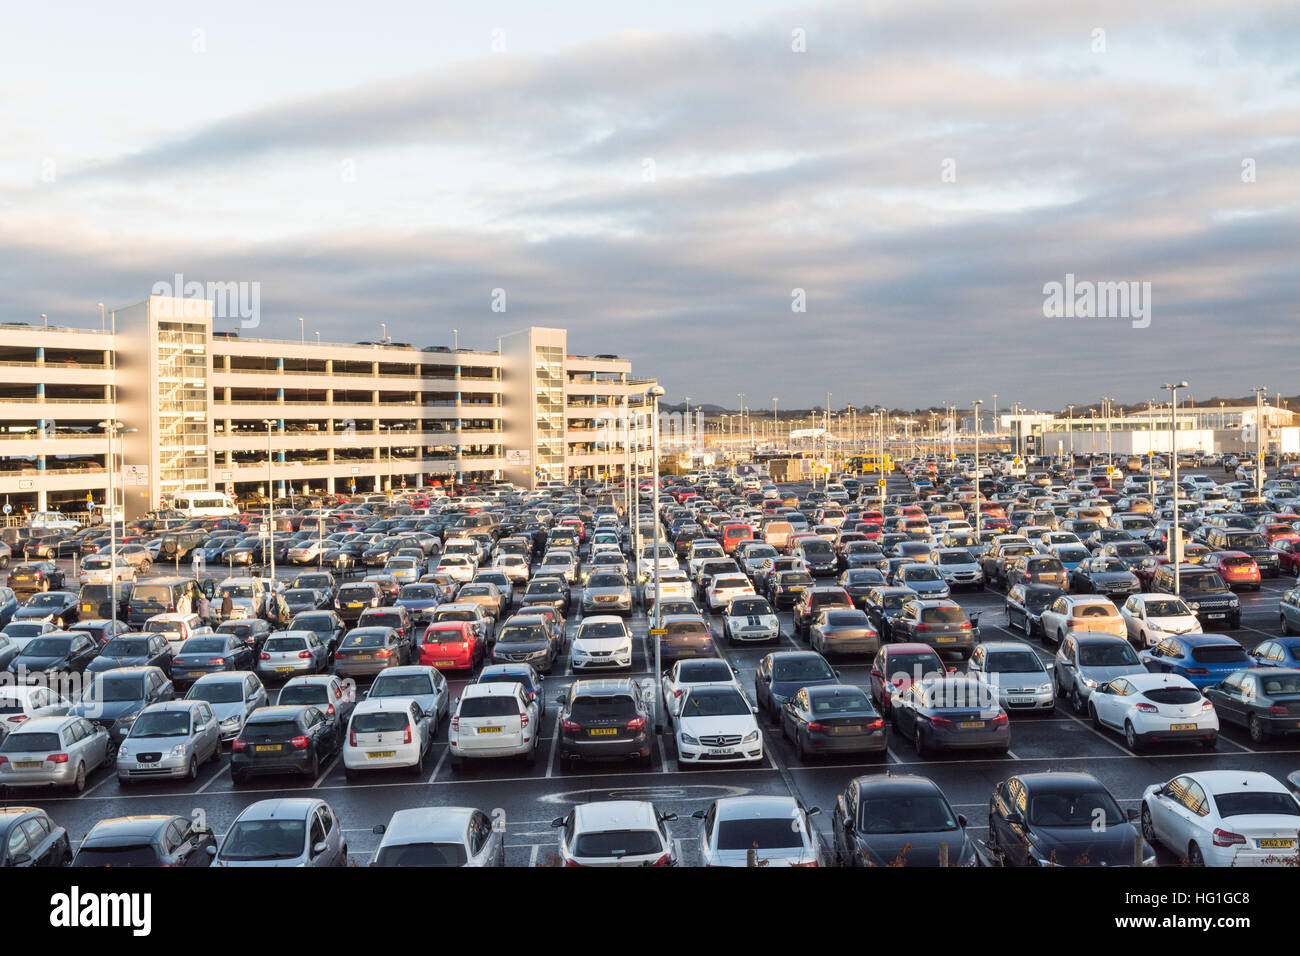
(870, 464)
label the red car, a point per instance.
(451, 646)
(1237, 568)
(901, 664)
(1288, 555)
(1280, 532)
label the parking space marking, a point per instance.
(328, 767)
(224, 768)
(532, 856)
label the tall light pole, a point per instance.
(1069, 435)
(302, 331)
(112, 428)
(656, 393)
(270, 497)
(103, 326)
(776, 422)
(1176, 539)
(1259, 391)
(979, 512)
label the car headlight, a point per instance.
(1044, 688)
(1089, 682)
(750, 737)
(231, 721)
(122, 750)
(689, 740)
(178, 750)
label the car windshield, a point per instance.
(795, 579)
(846, 619)
(1013, 662)
(401, 685)
(1113, 566)
(422, 854)
(715, 702)
(1107, 655)
(1166, 607)
(265, 840)
(110, 689)
(521, 634)
(356, 639)
(603, 707)
(1248, 541)
(906, 813)
(418, 592)
(801, 668)
(703, 671)
(1131, 550)
(686, 628)
(1073, 554)
(48, 647)
(892, 602)
(602, 629)
(45, 600)
(217, 692)
(606, 581)
(1087, 809)
(1282, 684)
(1261, 802)
(124, 647)
(763, 833)
(161, 723)
(237, 590)
(547, 586)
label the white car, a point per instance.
(247, 597)
(386, 733)
(646, 562)
(725, 588)
(700, 552)
(1150, 618)
(1223, 818)
(1081, 612)
(459, 567)
(716, 725)
(673, 585)
(776, 828)
(750, 618)
(97, 569)
(616, 833)
(691, 673)
(493, 720)
(561, 564)
(515, 567)
(1154, 708)
(23, 702)
(603, 640)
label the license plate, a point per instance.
(195, 673)
(848, 729)
(1182, 726)
(443, 663)
(86, 609)
(1020, 700)
(946, 640)
(27, 764)
(267, 748)
(1275, 844)
(1215, 616)
(380, 754)
(719, 751)
(361, 657)
(489, 730)
(283, 670)
(971, 724)
(603, 731)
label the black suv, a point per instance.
(605, 719)
(1204, 591)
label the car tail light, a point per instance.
(1000, 719)
(664, 860)
(876, 724)
(239, 743)
(940, 721)
(17, 718)
(384, 653)
(1148, 708)
(455, 725)
(304, 654)
(265, 656)
(406, 738)
(330, 710)
(1277, 710)
(3, 759)
(57, 758)
(1224, 837)
(570, 724)
(636, 723)
(523, 720)
(299, 742)
(817, 727)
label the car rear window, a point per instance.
(762, 834)
(1173, 695)
(1219, 654)
(304, 694)
(1094, 610)
(401, 685)
(274, 728)
(616, 843)
(18, 743)
(605, 707)
(488, 707)
(117, 856)
(942, 615)
(285, 644)
(1261, 802)
(378, 723)
(422, 854)
(208, 645)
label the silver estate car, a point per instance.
(170, 739)
(440, 836)
(53, 752)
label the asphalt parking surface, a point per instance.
(532, 795)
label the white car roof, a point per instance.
(383, 705)
(1235, 781)
(499, 689)
(750, 808)
(1151, 681)
(615, 815)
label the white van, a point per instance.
(204, 504)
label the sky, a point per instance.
(866, 198)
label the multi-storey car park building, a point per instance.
(205, 409)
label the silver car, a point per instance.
(233, 696)
(291, 831)
(1087, 659)
(607, 592)
(1015, 673)
(440, 836)
(332, 695)
(53, 752)
(289, 653)
(775, 828)
(423, 684)
(170, 739)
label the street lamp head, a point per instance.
(656, 391)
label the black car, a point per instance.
(552, 591)
(321, 581)
(96, 600)
(57, 607)
(898, 820)
(8, 605)
(147, 840)
(305, 599)
(210, 654)
(1264, 700)
(787, 587)
(134, 650)
(28, 837)
(859, 582)
(1204, 591)
(1025, 605)
(813, 601)
(603, 720)
(247, 551)
(355, 598)
(883, 606)
(58, 652)
(250, 630)
(326, 625)
(526, 639)
(1060, 819)
(285, 739)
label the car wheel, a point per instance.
(803, 751)
(1131, 737)
(79, 782)
(313, 770)
(238, 779)
(1092, 712)
(1257, 732)
(918, 741)
(1076, 699)
(1194, 856)
(1148, 830)
(1286, 628)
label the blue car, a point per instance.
(419, 599)
(1203, 659)
(782, 674)
(1277, 652)
(524, 674)
(8, 604)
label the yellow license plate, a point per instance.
(443, 663)
(603, 731)
(945, 640)
(379, 754)
(489, 730)
(971, 724)
(27, 764)
(86, 609)
(266, 748)
(1275, 844)
(1182, 726)
(849, 729)
(361, 657)
(283, 670)
(196, 673)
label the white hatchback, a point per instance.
(1154, 708)
(386, 733)
(1150, 618)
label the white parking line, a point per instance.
(225, 768)
(532, 857)
(438, 766)
(555, 743)
(326, 771)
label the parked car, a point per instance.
(898, 820)
(169, 739)
(1266, 701)
(603, 720)
(833, 719)
(615, 833)
(782, 674)
(439, 836)
(1015, 674)
(493, 720)
(1154, 708)
(146, 840)
(284, 832)
(289, 738)
(1203, 659)
(950, 713)
(773, 829)
(1060, 819)
(1085, 660)
(386, 733)
(1223, 818)
(53, 752)
(234, 695)
(29, 838)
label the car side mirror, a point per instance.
(961, 820)
(378, 829)
(212, 851)
(698, 814)
(319, 848)
(1133, 814)
(558, 822)
(754, 709)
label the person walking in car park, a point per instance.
(227, 606)
(282, 616)
(205, 610)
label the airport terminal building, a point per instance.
(205, 409)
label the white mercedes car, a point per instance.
(716, 725)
